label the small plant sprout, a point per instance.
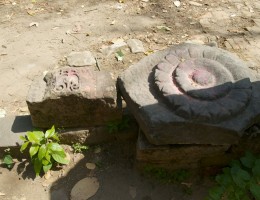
(78, 148)
(44, 149)
(7, 159)
(115, 126)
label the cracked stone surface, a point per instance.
(192, 94)
(73, 97)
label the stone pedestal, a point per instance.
(178, 156)
(192, 102)
(73, 97)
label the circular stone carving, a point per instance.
(202, 85)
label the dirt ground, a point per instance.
(36, 36)
(116, 172)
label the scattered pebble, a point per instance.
(91, 166)
(193, 3)
(166, 28)
(23, 109)
(2, 113)
(47, 175)
(135, 45)
(81, 59)
(2, 194)
(113, 22)
(117, 44)
(36, 24)
(177, 3)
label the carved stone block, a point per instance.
(192, 94)
(73, 97)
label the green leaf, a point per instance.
(37, 165)
(55, 137)
(49, 133)
(46, 168)
(248, 160)
(54, 147)
(8, 160)
(24, 146)
(35, 136)
(23, 138)
(119, 55)
(255, 190)
(45, 162)
(224, 179)
(256, 169)
(33, 150)
(60, 153)
(239, 176)
(48, 156)
(42, 152)
(59, 159)
(216, 193)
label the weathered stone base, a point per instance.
(191, 156)
(176, 156)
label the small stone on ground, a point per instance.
(135, 45)
(80, 59)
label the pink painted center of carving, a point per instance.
(202, 77)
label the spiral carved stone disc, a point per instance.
(199, 88)
(191, 94)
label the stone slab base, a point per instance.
(205, 157)
(176, 156)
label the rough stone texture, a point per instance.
(220, 22)
(196, 156)
(192, 94)
(108, 50)
(135, 45)
(73, 97)
(80, 59)
(178, 156)
(96, 135)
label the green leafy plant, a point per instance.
(8, 159)
(44, 149)
(239, 181)
(78, 148)
(115, 126)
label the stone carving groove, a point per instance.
(204, 83)
(67, 79)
